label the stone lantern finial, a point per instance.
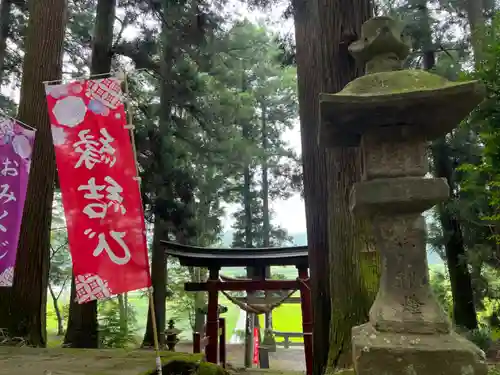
(383, 47)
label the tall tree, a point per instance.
(82, 329)
(475, 16)
(310, 81)
(23, 314)
(323, 31)
(5, 29)
(464, 313)
(60, 261)
(159, 268)
(10, 23)
(176, 133)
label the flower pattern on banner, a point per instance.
(58, 135)
(91, 287)
(70, 111)
(7, 277)
(6, 130)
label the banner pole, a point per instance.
(150, 290)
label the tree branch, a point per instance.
(141, 60)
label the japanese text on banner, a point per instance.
(100, 193)
(16, 145)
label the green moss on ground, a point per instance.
(494, 370)
(181, 366)
(255, 371)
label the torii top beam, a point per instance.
(209, 257)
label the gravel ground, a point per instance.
(291, 359)
(29, 361)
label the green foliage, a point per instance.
(440, 285)
(117, 324)
(182, 304)
(482, 177)
(481, 337)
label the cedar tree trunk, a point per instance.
(323, 30)
(24, 306)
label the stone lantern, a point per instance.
(171, 335)
(391, 114)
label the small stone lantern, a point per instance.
(171, 334)
(391, 114)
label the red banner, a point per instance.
(100, 191)
(255, 346)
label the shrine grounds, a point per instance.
(56, 361)
(286, 318)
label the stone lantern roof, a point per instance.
(427, 105)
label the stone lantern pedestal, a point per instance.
(391, 114)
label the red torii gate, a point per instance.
(259, 258)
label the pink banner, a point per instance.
(16, 145)
(100, 191)
(255, 345)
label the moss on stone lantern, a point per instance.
(388, 96)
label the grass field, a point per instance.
(287, 318)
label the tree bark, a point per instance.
(323, 30)
(159, 259)
(5, 30)
(83, 328)
(309, 74)
(122, 305)
(266, 229)
(354, 271)
(55, 302)
(464, 311)
(247, 206)
(266, 219)
(159, 282)
(26, 301)
(102, 42)
(476, 19)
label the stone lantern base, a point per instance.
(386, 353)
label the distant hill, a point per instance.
(300, 239)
